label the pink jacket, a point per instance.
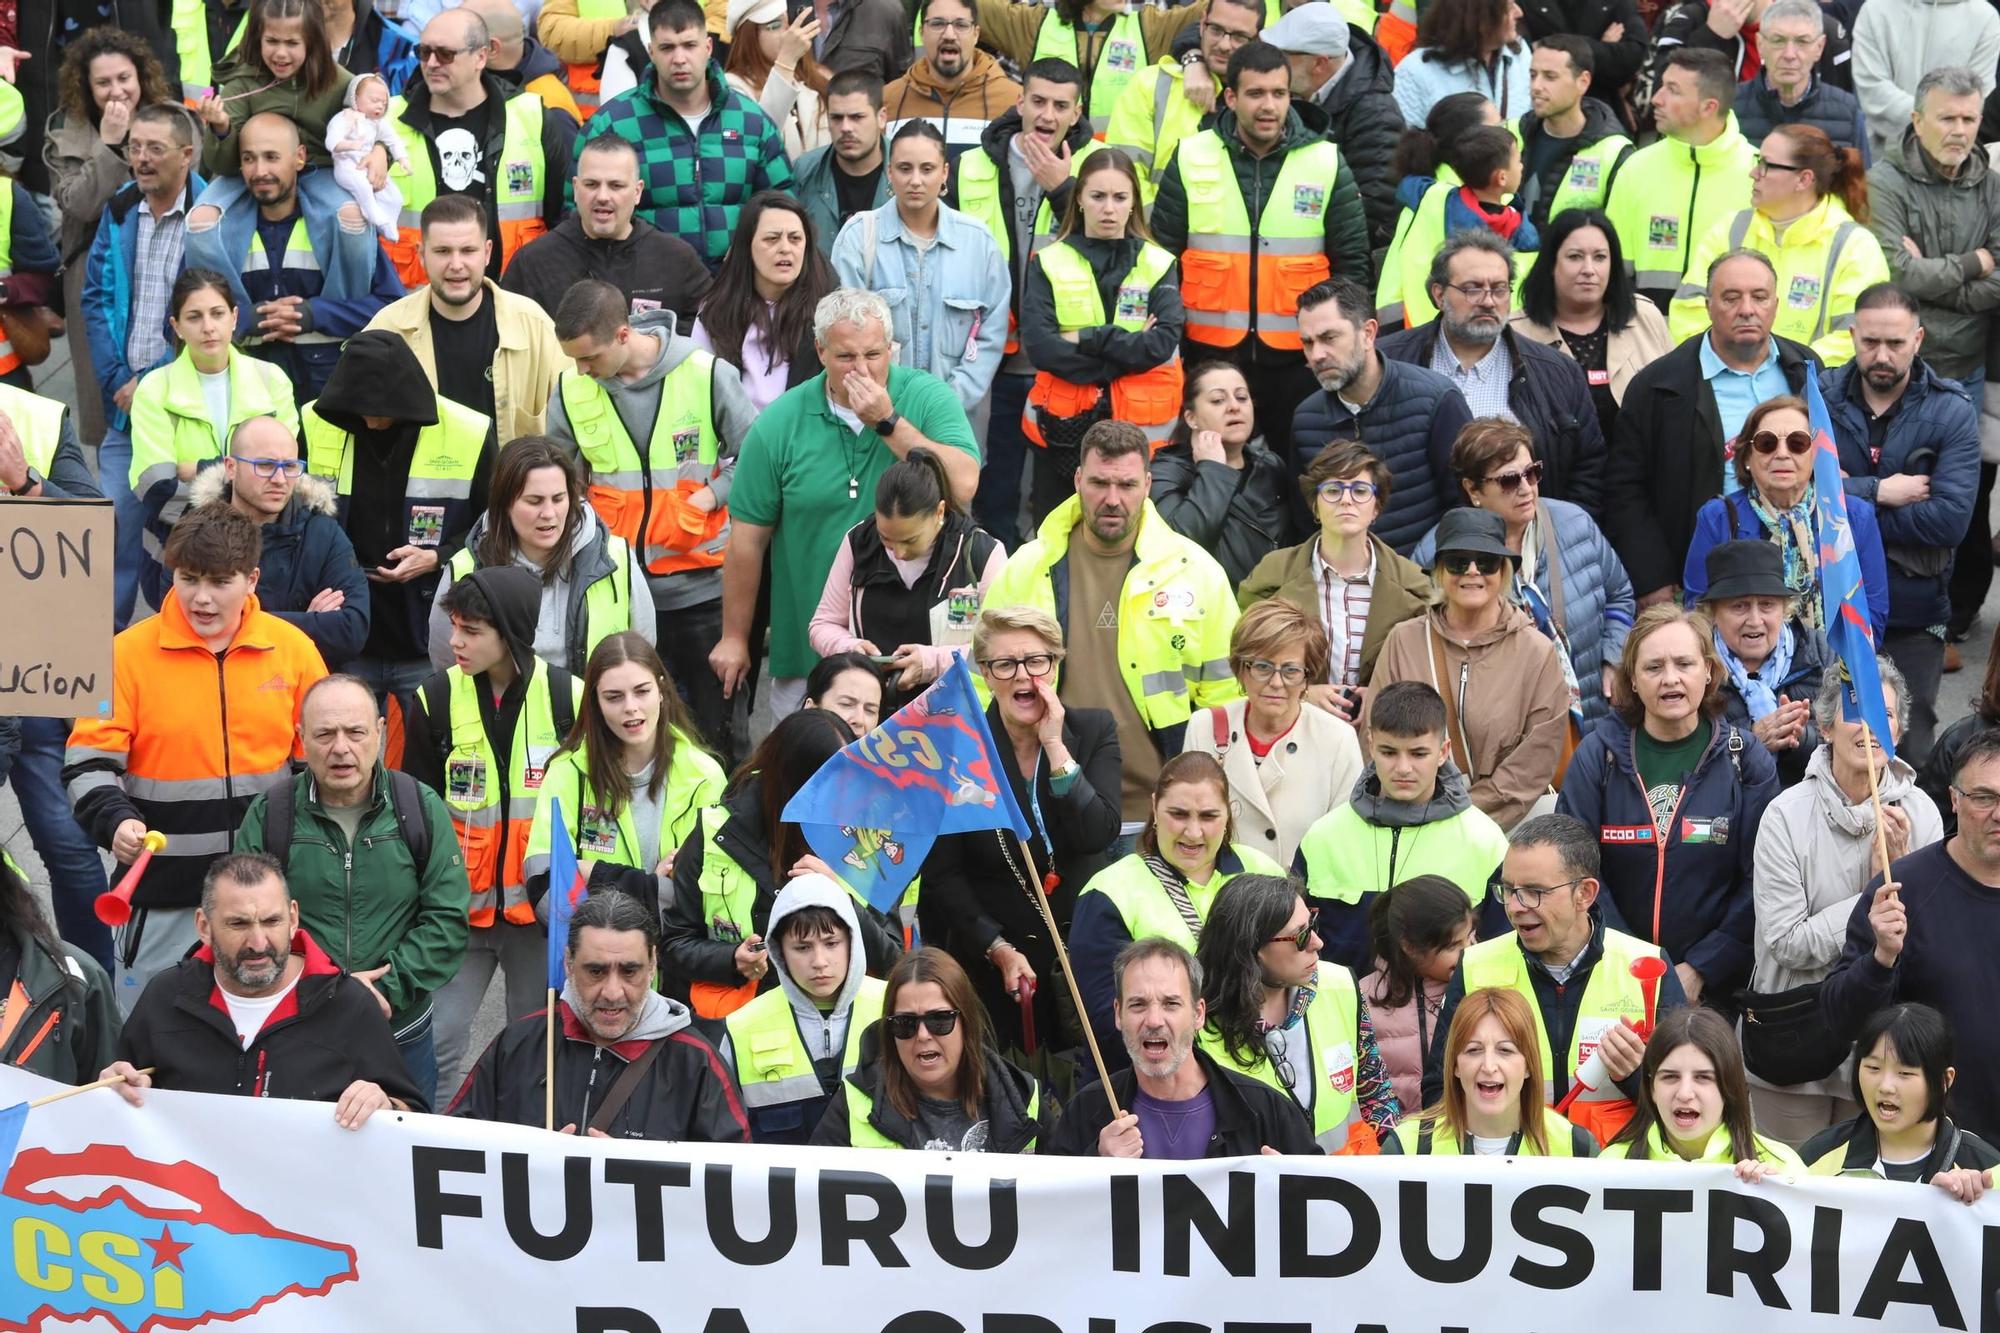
(830, 632)
(1398, 1034)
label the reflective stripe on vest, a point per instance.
(472, 792)
(37, 421)
(1443, 1141)
(1144, 906)
(1610, 993)
(607, 602)
(644, 500)
(1219, 278)
(438, 495)
(1120, 55)
(772, 1063)
(1739, 232)
(861, 1134)
(1149, 399)
(516, 189)
(1333, 1032)
(299, 258)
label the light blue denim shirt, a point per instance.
(1737, 393)
(949, 302)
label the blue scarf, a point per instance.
(1756, 690)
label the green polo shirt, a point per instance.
(792, 476)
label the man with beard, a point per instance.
(605, 240)
(1909, 443)
(629, 1065)
(481, 347)
(846, 176)
(259, 1011)
(1146, 613)
(1502, 374)
(1405, 415)
(306, 277)
(954, 85)
(1681, 416)
(1177, 1103)
(1571, 143)
(1155, 111)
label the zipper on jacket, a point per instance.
(1660, 836)
(347, 877)
(1687, 228)
(228, 762)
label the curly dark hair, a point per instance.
(73, 83)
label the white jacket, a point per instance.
(1897, 42)
(1308, 773)
(1815, 854)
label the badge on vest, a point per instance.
(1713, 831)
(1309, 201)
(1663, 232)
(1340, 1068)
(725, 931)
(1176, 605)
(598, 833)
(426, 525)
(531, 777)
(1803, 294)
(687, 445)
(1133, 303)
(1584, 173)
(1120, 54)
(520, 178)
(1598, 378)
(465, 782)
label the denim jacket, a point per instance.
(949, 305)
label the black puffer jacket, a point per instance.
(1613, 64)
(1686, 24)
(1549, 396)
(1409, 424)
(1834, 110)
(1239, 515)
(1363, 120)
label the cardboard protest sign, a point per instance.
(55, 608)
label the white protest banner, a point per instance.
(208, 1212)
(55, 608)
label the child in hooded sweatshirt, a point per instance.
(1488, 161)
(792, 1046)
(1410, 815)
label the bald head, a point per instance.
(271, 157)
(502, 20)
(263, 467)
(273, 127)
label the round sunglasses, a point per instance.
(1795, 442)
(1511, 481)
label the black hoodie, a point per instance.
(378, 375)
(996, 141)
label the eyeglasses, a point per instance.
(148, 151)
(443, 55)
(1796, 442)
(937, 1022)
(271, 467)
(1361, 492)
(1529, 895)
(1482, 294)
(1511, 481)
(1302, 938)
(1280, 1062)
(1761, 164)
(1981, 802)
(1219, 34)
(949, 25)
(1458, 562)
(1005, 668)
(1261, 671)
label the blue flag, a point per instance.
(1842, 593)
(566, 890)
(873, 810)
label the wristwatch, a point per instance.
(1069, 770)
(34, 479)
(887, 425)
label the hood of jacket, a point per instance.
(981, 70)
(999, 134)
(1898, 780)
(515, 594)
(1368, 71)
(377, 375)
(798, 894)
(1449, 800)
(1599, 122)
(658, 1017)
(1917, 164)
(536, 61)
(674, 348)
(1305, 123)
(310, 495)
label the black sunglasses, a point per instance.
(1796, 442)
(939, 1022)
(1300, 938)
(1458, 562)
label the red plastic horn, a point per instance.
(115, 908)
(1647, 972)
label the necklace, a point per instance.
(853, 468)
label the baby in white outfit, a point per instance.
(351, 134)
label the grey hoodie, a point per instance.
(823, 1031)
(1450, 798)
(658, 1016)
(638, 402)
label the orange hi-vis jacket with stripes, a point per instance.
(193, 736)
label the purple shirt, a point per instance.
(1175, 1131)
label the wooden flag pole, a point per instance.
(1069, 974)
(111, 1082)
(549, 1068)
(1875, 799)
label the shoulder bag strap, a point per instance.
(1439, 671)
(1176, 889)
(1547, 533)
(622, 1090)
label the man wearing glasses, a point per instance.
(954, 85)
(1574, 971)
(307, 575)
(1790, 91)
(1504, 375)
(1157, 110)
(1926, 936)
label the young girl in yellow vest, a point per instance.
(930, 1077)
(1281, 1015)
(1694, 1101)
(714, 945)
(1493, 1103)
(631, 776)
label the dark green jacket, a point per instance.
(366, 906)
(70, 1031)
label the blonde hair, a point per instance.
(1003, 619)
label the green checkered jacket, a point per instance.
(695, 185)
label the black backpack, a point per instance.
(406, 794)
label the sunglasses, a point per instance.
(1796, 442)
(443, 55)
(938, 1022)
(1457, 563)
(1302, 939)
(1511, 481)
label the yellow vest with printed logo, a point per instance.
(772, 1062)
(437, 498)
(645, 499)
(1332, 1024)
(1149, 399)
(1235, 273)
(517, 193)
(1119, 56)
